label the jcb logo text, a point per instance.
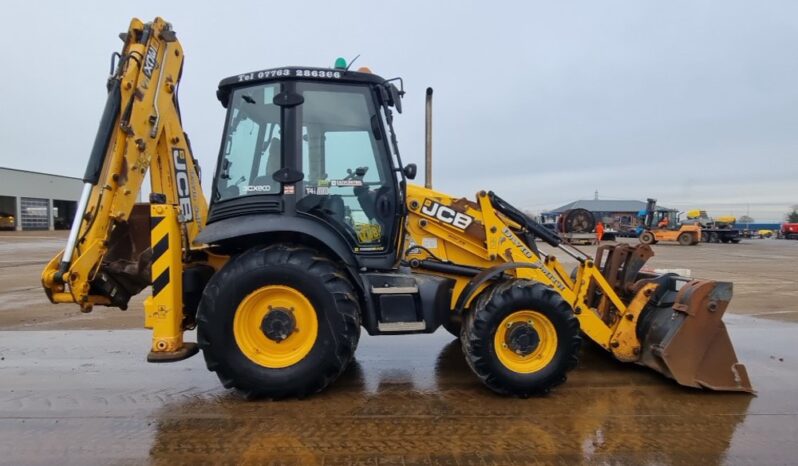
(183, 187)
(446, 214)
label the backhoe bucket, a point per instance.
(688, 342)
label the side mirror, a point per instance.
(396, 97)
(410, 171)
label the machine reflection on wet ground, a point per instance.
(87, 397)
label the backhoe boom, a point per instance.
(108, 257)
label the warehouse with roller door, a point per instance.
(37, 201)
(620, 215)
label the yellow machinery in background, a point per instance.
(313, 232)
(705, 219)
(714, 230)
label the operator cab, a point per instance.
(317, 145)
(668, 220)
(659, 219)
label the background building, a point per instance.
(37, 201)
(618, 214)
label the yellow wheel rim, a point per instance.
(252, 340)
(542, 354)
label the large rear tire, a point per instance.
(685, 239)
(647, 237)
(521, 338)
(279, 321)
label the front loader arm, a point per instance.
(668, 323)
(107, 258)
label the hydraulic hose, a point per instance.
(104, 133)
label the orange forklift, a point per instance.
(665, 226)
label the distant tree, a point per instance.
(745, 219)
(792, 217)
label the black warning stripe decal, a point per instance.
(155, 221)
(160, 247)
(160, 283)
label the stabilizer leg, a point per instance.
(164, 309)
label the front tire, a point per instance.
(521, 338)
(647, 238)
(278, 321)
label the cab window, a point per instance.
(347, 174)
(252, 150)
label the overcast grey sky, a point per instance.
(692, 102)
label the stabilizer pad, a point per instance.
(188, 350)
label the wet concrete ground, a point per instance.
(88, 397)
(23, 305)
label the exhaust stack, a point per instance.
(428, 141)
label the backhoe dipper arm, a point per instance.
(105, 261)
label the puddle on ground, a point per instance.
(89, 397)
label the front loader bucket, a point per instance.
(688, 342)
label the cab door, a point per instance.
(349, 180)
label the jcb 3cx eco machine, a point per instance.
(313, 232)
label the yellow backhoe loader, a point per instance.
(313, 231)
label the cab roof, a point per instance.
(285, 73)
(299, 72)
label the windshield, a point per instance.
(251, 150)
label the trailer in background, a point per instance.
(720, 235)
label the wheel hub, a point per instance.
(522, 338)
(278, 324)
